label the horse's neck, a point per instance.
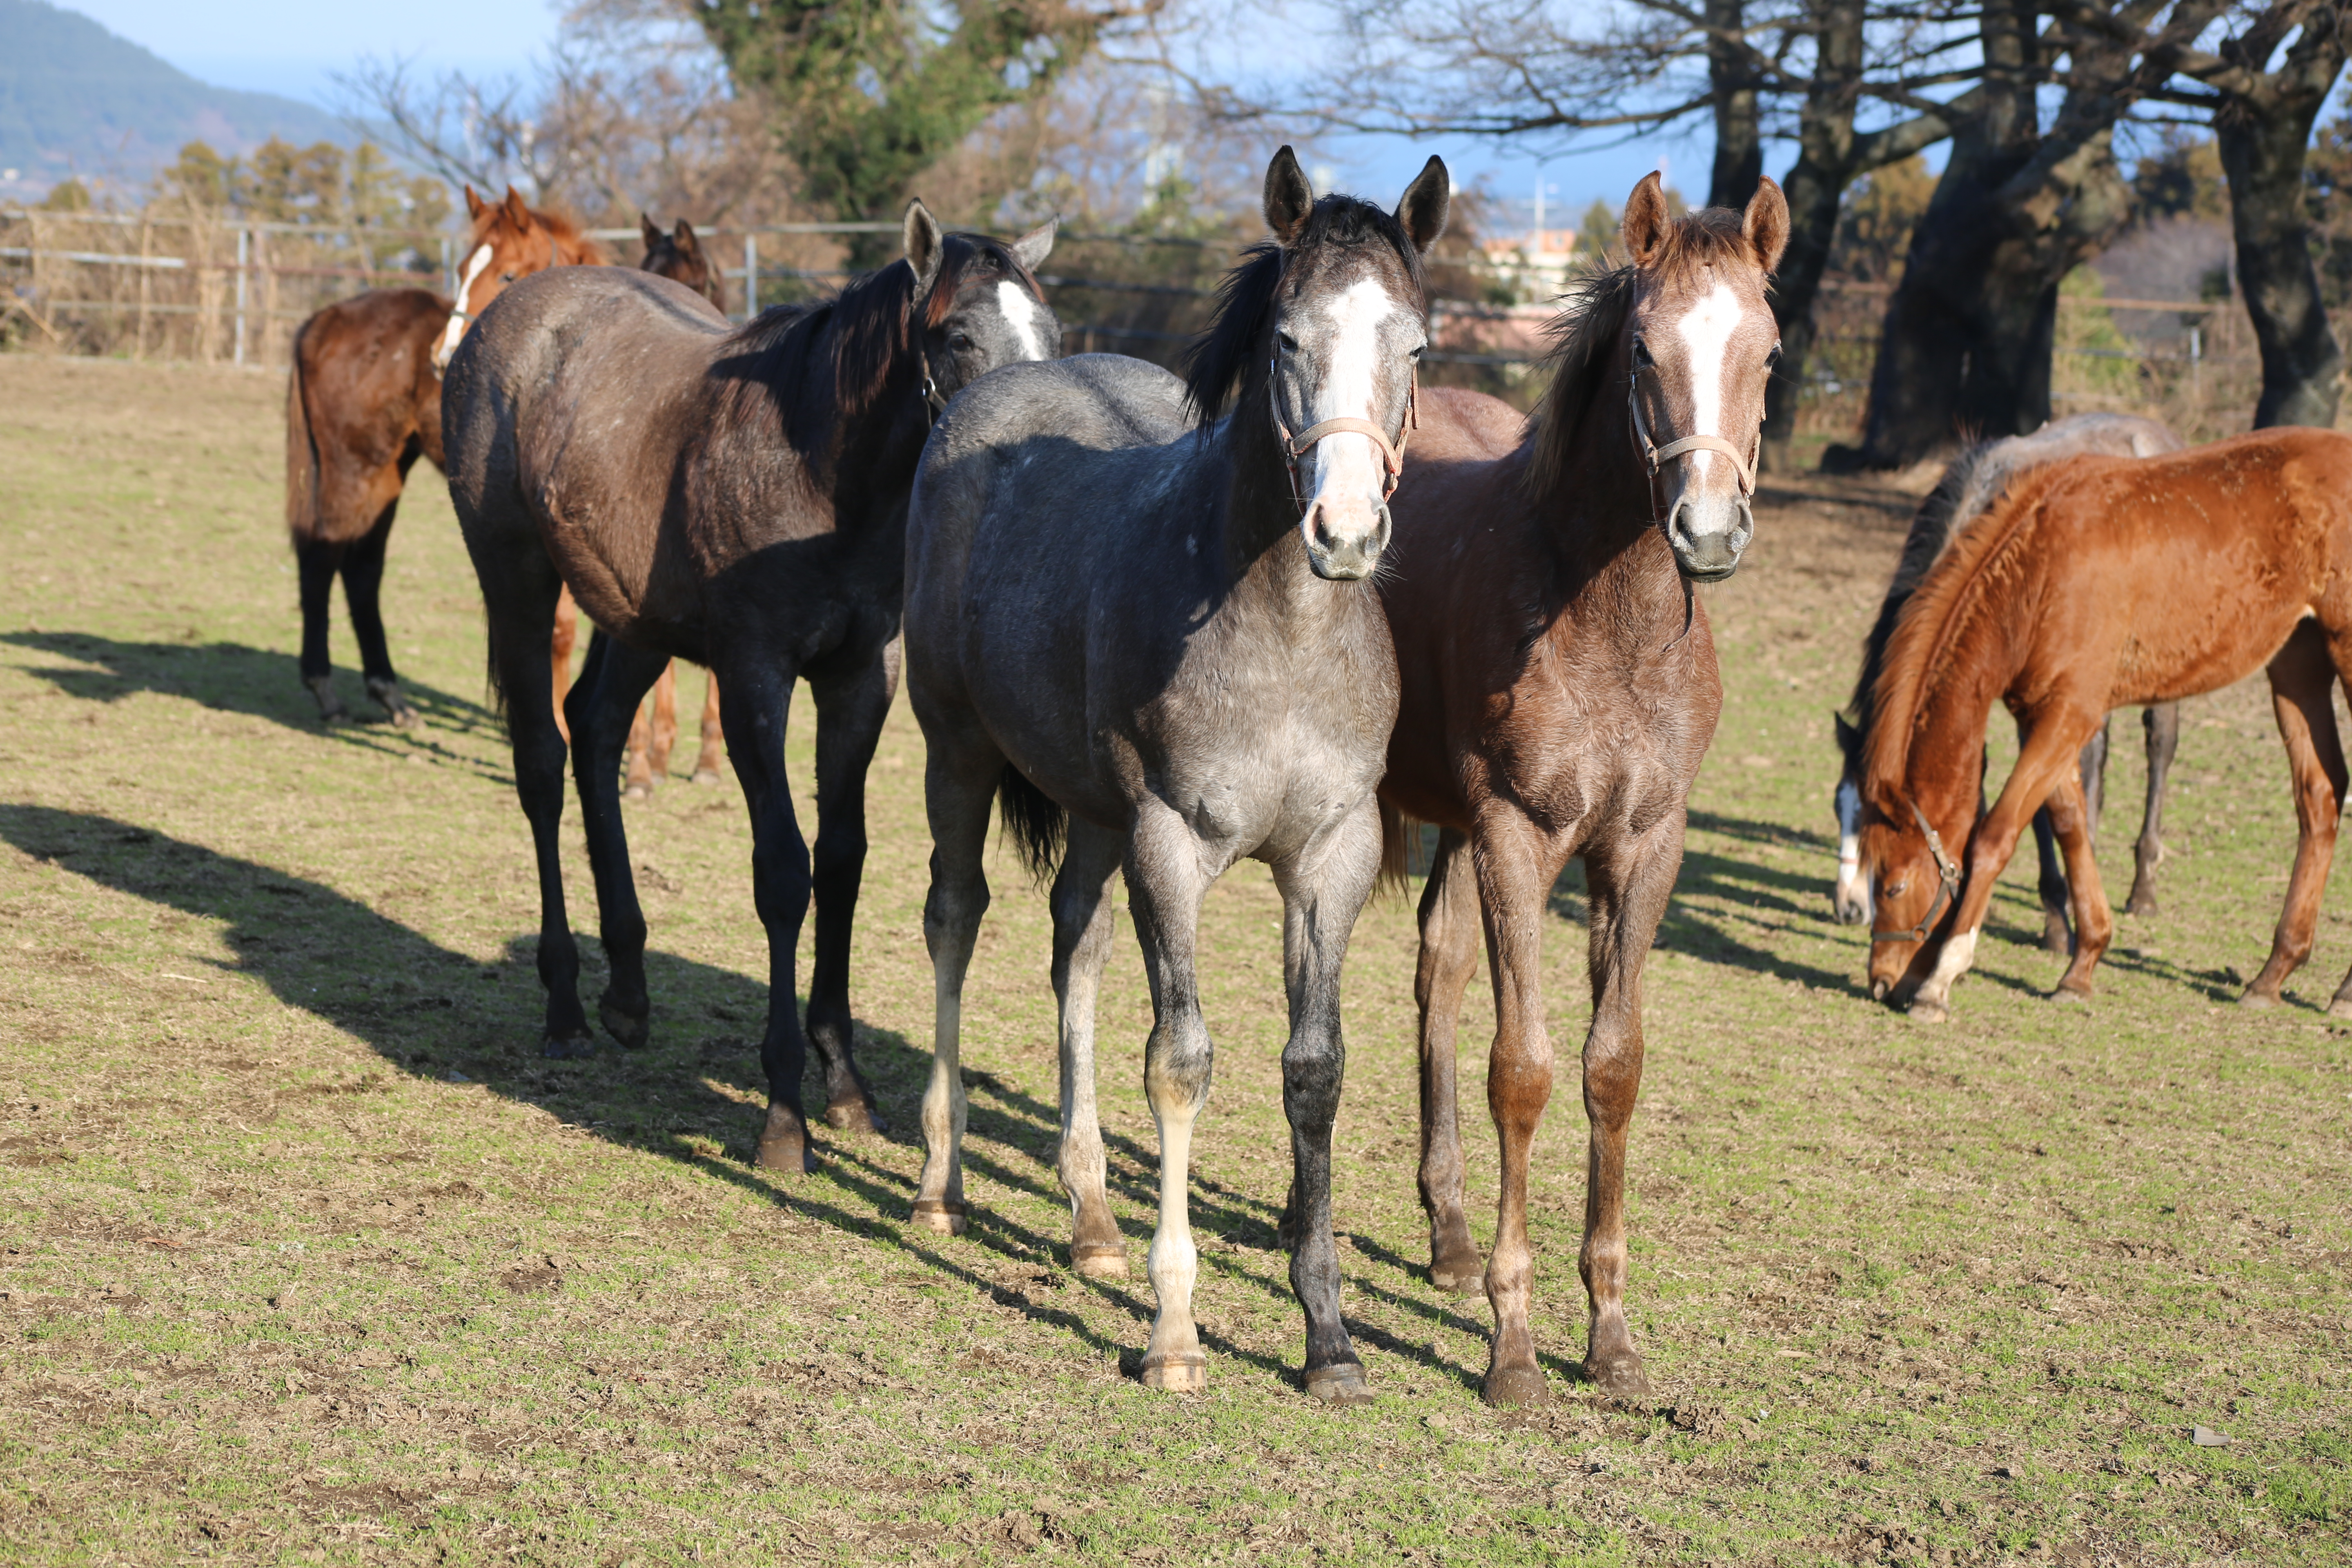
(1601, 518)
(875, 454)
(1944, 764)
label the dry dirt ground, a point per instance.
(306, 1255)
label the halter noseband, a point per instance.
(1295, 447)
(1743, 463)
(1947, 886)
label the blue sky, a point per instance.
(296, 46)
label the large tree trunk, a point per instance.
(1739, 132)
(2263, 124)
(1815, 187)
(1965, 351)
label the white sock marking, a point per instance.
(1707, 331)
(1020, 312)
(475, 265)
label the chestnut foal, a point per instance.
(1557, 690)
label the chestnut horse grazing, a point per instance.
(1972, 484)
(1159, 646)
(2101, 583)
(362, 403)
(1557, 689)
(735, 496)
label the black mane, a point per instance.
(826, 365)
(1228, 356)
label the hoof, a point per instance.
(705, 776)
(2340, 1008)
(1623, 1378)
(2263, 999)
(2069, 993)
(945, 1216)
(853, 1114)
(395, 707)
(2141, 908)
(638, 792)
(330, 703)
(1099, 1259)
(582, 1043)
(1514, 1387)
(1340, 1385)
(2056, 939)
(632, 1033)
(788, 1154)
(1459, 1276)
(1923, 1011)
(1178, 1372)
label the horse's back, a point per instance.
(1456, 422)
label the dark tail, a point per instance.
(1400, 835)
(1039, 827)
(302, 452)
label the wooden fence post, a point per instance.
(243, 245)
(750, 276)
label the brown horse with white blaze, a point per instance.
(362, 403)
(2104, 583)
(1558, 691)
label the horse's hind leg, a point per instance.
(2056, 936)
(2162, 722)
(1082, 927)
(1450, 926)
(564, 636)
(363, 590)
(600, 709)
(2302, 699)
(2070, 815)
(649, 744)
(714, 752)
(317, 562)
(851, 704)
(960, 779)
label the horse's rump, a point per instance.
(301, 450)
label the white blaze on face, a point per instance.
(1020, 312)
(475, 265)
(1851, 886)
(1347, 462)
(1705, 330)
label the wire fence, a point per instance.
(216, 288)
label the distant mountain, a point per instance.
(76, 100)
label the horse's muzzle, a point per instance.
(1343, 554)
(1707, 534)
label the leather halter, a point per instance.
(1947, 886)
(1295, 447)
(1743, 463)
(933, 396)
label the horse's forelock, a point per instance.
(962, 256)
(1226, 356)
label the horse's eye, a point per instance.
(1286, 343)
(506, 277)
(1642, 359)
(958, 341)
(1895, 888)
(1773, 358)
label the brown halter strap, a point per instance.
(1293, 448)
(1948, 885)
(1742, 463)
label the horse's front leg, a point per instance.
(1323, 890)
(2070, 816)
(1517, 864)
(2162, 722)
(2051, 751)
(2303, 684)
(714, 750)
(850, 708)
(601, 710)
(1449, 956)
(961, 770)
(1165, 884)
(758, 703)
(1082, 928)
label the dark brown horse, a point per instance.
(736, 497)
(2104, 582)
(362, 403)
(1557, 691)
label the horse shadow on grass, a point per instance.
(431, 1012)
(233, 677)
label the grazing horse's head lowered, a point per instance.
(510, 240)
(1323, 330)
(1694, 342)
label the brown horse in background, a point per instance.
(2104, 583)
(362, 403)
(1557, 691)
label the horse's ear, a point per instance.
(1288, 198)
(1037, 245)
(1848, 737)
(517, 214)
(1426, 202)
(682, 236)
(649, 230)
(1646, 219)
(1766, 223)
(925, 243)
(474, 205)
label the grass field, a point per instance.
(309, 1256)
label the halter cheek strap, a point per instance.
(1948, 885)
(1743, 463)
(1295, 447)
